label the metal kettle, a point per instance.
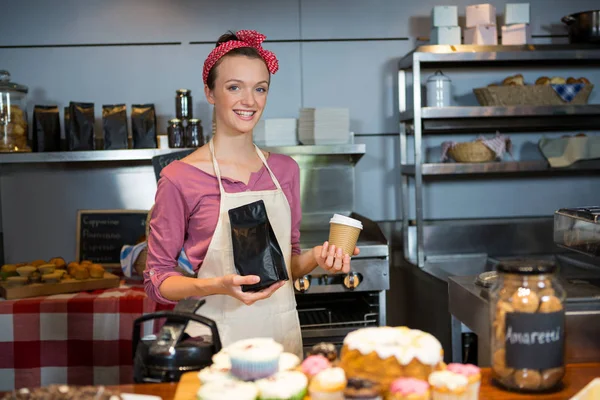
(169, 354)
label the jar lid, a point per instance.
(194, 120)
(438, 76)
(6, 84)
(527, 267)
(184, 91)
(174, 121)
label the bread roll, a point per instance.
(544, 80)
(571, 80)
(85, 263)
(71, 268)
(583, 80)
(519, 80)
(557, 80)
(96, 271)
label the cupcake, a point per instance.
(328, 384)
(312, 365)
(288, 361)
(327, 350)
(286, 385)
(255, 358)
(448, 385)
(219, 390)
(26, 270)
(472, 373)
(409, 389)
(46, 268)
(214, 373)
(363, 389)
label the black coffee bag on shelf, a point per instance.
(67, 122)
(143, 126)
(114, 126)
(81, 126)
(45, 135)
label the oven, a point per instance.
(332, 305)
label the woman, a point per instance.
(195, 194)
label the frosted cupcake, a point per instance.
(473, 374)
(286, 385)
(288, 361)
(328, 384)
(409, 389)
(447, 385)
(253, 359)
(215, 373)
(219, 390)
(312, 365)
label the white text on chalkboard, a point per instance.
(87, 234)
(530, 338)
(99, 222)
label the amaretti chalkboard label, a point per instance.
(534, 340)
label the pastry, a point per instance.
(288, 361)
(447, 385)
(13, 281)
(53, 277)
(59, 262)
(8, 270)
(525, 300)
(96, 271)
(499, 367)
(26, 270)
(312, 365)
(63, 392)
(81, 273)
(254, 358)
(557, 80)
(544, 80)
(71, 268)
(529, 379)
(383, 354)
(219, 390)
(214, 373)
(571, 80)
(327, 350)
(85, 263)
(409, 389)
(46, 268)
(473, 375)
(551, 377)
(35, 277)
(328, 384)
(37, 263)
(583, 80)
(516, 80)
(550, 304)
(363, 389)
(286, 385)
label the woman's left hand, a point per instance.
(333, 259)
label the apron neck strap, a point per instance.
(218, 171)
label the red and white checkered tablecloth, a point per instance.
(78, 339)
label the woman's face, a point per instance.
(240, 93)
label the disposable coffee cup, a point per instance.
(344, 232)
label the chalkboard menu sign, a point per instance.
(102, 233)
(159, 162)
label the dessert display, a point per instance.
(518, 80)
(378, 363)
(53, 271)
(63, 392)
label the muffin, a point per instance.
(327, 350)
(362, 389)
(286, 385)
(328, 384)
(8, 270)
(312, 365)
(447, 385)
(85, 263)
(71, 268)
(409, 389)
(96, 271)
(219, 390)
(214, 373)
(37, 263)
(472, 373)
(254, 358)
(80, 273)
(35, 277)
(59, 262)
(26, 270)
(53, 277)
(46, 268)
(14, 281)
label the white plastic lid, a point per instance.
(342, 220)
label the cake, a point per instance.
(383, 354)
(448, 385)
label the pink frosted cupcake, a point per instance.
(312, 365)
(473, 374)
(409, 389)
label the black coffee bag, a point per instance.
(45, 128)
(81, 134)
(143, 126)
(114, 126)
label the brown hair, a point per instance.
(249, 52)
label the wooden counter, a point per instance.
(578, 375)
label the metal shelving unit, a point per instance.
(418, 121)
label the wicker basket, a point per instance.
(471, 152)
(532, 95)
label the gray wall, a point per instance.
(317, 70)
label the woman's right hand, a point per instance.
(232, 286)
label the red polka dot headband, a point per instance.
(246, 38)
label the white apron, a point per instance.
(275, 317)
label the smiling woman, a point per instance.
(196, 195)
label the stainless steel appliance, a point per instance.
(332, 305)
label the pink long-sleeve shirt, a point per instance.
(186, 211)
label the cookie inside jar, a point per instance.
(13, 115)
(527, 326)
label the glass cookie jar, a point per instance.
(13, 115)
(527, 326)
